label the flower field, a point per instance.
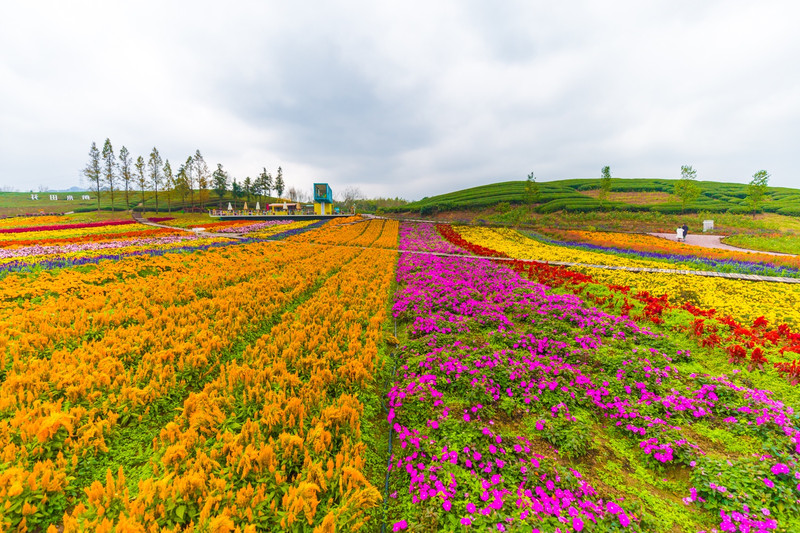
(678, 252)
(518, 408)
(175, 382)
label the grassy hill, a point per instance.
(635, 194)
(18, 203)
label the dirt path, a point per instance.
(712, 241)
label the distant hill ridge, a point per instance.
(576, 195)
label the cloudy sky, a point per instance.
(409, 98)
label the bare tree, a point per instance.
(350, 195)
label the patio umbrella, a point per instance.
(245, 206)
(230, 207)
(258, 206)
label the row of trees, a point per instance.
(107, 171)
(688, 190)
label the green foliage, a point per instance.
(687, 189)
(220, 181)
(756, 190)
(568, 196)
(92, 171)
(605, 183)
(532, 192)
(279, 184)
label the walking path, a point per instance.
(712, 241)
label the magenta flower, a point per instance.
(779, 469)
(470, 507)
(398, 526)
(577, 524)
(623, 519)
(768, 482)
(612, 507)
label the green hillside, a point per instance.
(574, 195)
(18, 203)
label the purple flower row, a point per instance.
(38, 250)
(254, 227)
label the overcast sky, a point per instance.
(409, 98)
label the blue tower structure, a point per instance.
(323, 199)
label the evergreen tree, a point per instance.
(236, 191)
(92, 171)
(247, 187)
(189, 172)
(757, 189)
(279, 185)
(125, 172)
(267, 184)
(141, 178)
(154, 167)
(110, 163)
(202, 175)
(182, 184)
(220, 182)
(169, 184)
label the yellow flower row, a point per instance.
(21, 222)
(743, 300)
(507, 241)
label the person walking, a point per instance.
(685, 231)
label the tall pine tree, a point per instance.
(141, 178)
(154, 167)
(92, 171)
(279, 185)
(109, 167)
(125, 172)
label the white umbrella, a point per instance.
(230, 207)
(245, 206)
(258, 206)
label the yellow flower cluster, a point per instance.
(77, 233)
(354, 231)
(20, 222)
(743, 300)
(649, 243)
(517, 245)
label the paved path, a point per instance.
(712, 241)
